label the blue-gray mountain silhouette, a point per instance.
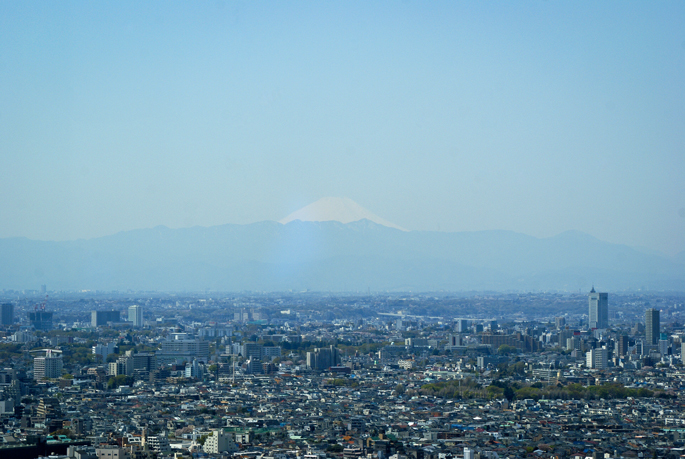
(331, 256)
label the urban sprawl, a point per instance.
(111, 375)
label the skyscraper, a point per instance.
(599, 309)
(7, 314)
(622, 344)
(652, 326)
(135, 315)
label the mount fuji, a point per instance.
(343, 210)
(333, 245)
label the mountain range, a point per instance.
(333, 256)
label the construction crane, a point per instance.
(42, 305)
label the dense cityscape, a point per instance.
(342, 230)
(113, 375)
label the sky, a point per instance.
(535, 116)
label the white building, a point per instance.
(598, 309)
(405, 364)
(104, 350)
(158, 444)
(49, 366)
(111, 452)
(123, 366)
(468, 453)
(22, 336)
(219, 442)
(194, 369)
(597, 359)
(182, 347)
(243, 438)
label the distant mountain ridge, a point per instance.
(333, 256)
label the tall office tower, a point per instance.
(599, 309)
(135, 315)
(652, 326)
(622, 344)
(7, 314)
(462, 325)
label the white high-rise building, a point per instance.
(135, 315)
(468, 453)
(597, 359)
(49, 366)
(219, 442)
(599, 310)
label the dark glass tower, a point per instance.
(652, 326)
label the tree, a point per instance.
(66, 432)
(120, 380)
(505, 349)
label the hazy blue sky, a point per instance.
(536, 116)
